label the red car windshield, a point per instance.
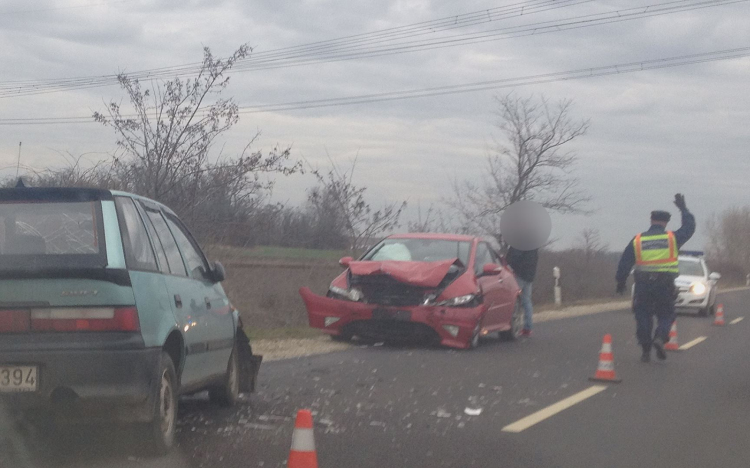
(419, 250)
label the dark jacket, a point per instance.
(523, 263)
(682, 235)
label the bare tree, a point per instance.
(432, 220)
(590, 243)
(165, 148)
(337, 197)
(729, 238)
(78, 171)
(531, 162)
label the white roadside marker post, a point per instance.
(558, 289)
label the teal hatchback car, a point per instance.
(109, 311)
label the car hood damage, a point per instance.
(420, 274)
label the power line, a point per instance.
(338, 51)
(622, 68)
(582, 73)
(503, 33)
(519, 8)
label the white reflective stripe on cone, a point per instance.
(303, 440)
(606, 365)
(606, 347)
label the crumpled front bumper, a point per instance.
(352, 314)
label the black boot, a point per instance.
(646, 356)
(659, 346)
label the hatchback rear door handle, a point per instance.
(178, 301)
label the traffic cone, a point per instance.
(672, 344)
(303, 453)
(605, 372)
(719, 320)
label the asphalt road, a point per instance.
(383, 406)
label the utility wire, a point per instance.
(432, 25)
(622, 68)
(365, 50)
(495, 14)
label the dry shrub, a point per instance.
(583, 276)
(267, 293)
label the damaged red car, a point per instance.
(447, 288)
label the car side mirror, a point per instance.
(714, 276)
(491, 269)
(345, 261)
(218, 273)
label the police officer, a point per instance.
(654, 254)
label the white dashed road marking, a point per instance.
(736, 321)
(541, 415)
(690, 344)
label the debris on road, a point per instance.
(441, 413)
(473, 411)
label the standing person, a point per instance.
(654, 254)
(524, 263)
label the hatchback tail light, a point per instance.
(98, 319)
(14, 321)
(124, 319)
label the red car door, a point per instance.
(492, 287)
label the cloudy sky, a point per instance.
(653, 133)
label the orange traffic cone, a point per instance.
(605, 372)
(719, 320)
(672, 344)
(303, 453)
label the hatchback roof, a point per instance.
(47, 193)
(70, 194)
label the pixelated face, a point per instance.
(525, 225)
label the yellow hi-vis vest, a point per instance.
(656, 253)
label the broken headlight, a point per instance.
(460, 301)
(352, 294)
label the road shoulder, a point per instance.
(288, 348)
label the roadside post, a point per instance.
(558, 290)
(747, 280)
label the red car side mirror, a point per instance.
(492, 269)
(345, 261)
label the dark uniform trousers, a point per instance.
(654, 296)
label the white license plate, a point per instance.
(18, 379)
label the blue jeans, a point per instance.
(528, 308)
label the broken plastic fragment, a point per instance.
(473, 411)
(441, 413)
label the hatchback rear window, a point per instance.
(51, 234)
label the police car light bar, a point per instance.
(691, 253)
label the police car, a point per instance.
(696, 286)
